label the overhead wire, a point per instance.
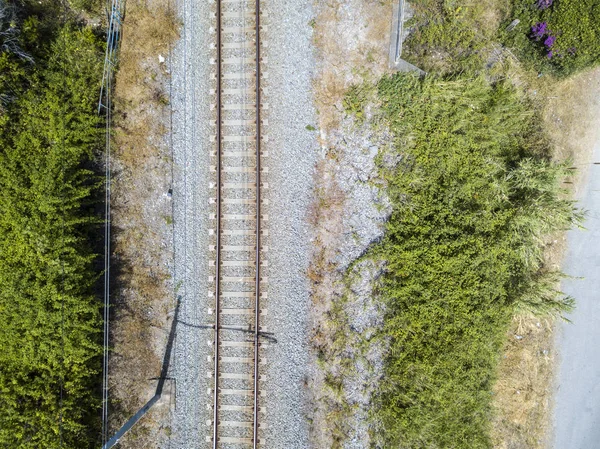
(115, 16)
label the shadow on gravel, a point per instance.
(159, 387)
(266, 335)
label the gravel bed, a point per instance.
(247, 114)
(236, 161)
(191, 89)
(237, 208)
(236, 416)
(293, 152)
(237, 53)
(238, 177)
(240, 303)
(237, 271)
(238, 84)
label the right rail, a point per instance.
(237, 226)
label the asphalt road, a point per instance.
(577, 400)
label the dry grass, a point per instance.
(523, 392)
(488, 14)
(572, 116)
(352, 38)
(326, 219)
(525, 387)
(142, 294)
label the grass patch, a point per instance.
(474, 193)
(452, 36)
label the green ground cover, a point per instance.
(50, 137)
(449, 36)
(474, 193)
(560, 36)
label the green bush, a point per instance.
(473, 196)
(47, 224)
(449, 36)
(574, 23)
(86, 5)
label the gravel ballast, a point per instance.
(292, 149)
(293, 153)
(190, 103)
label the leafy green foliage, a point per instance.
(449, 36)
(473, 196)
(574, 23)
(86, 5)
(47, 220)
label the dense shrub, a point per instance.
(473, 197)
(87, 5)
(570, 39)
(51, 325)
(447, 36)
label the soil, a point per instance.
(141, 224)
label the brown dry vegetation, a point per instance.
(326, 219)
(352, 39)
(142, 294)
(523, 393)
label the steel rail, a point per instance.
(218, 226)
(218, 233)
(258, 241)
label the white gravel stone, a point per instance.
(293, 153)
(192, 128)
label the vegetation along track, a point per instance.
(238, 250)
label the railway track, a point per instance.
(237, 245)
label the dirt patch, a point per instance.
(352, 39)
(141, 219)
(523, 393)
(571, 118)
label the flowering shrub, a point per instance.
(539, 30)
(562, 36)
(549, 42)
